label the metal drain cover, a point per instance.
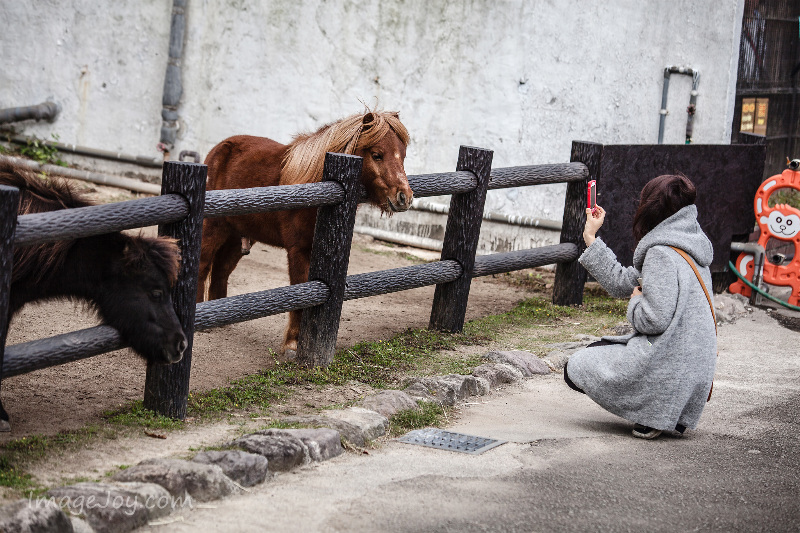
(447, 440)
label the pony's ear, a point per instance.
(368, 121)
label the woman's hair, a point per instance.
(661, 198)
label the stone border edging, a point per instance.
(154, 488)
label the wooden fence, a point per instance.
(179, 212)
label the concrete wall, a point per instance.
(523, 78)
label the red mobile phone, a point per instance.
(591, 196)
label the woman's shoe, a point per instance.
(644, 432)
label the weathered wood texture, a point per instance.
(503, 178)
(9, 203)
(330, 257)
(230, 202)
(571, 276)
(400, 279)
(425, 185)
(461, 241)
(166, 389)
(98, 219)
(486, 265)
(244, 307)
(60, 349)
(282, 197)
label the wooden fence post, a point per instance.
(461, 241)
(330, 257)
(166, 388)
(9, 203)
(571, 276)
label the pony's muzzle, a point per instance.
(403, 201)
(173, 353)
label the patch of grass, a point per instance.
(15, 454)
(429, 414)
(135, 415)
(376, 363)
(13, 477)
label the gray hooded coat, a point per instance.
(660, 375)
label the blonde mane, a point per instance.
(305, 157)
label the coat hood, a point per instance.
(681, 230)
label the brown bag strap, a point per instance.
(696, 273)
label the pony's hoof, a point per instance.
(290, 355)
(5, 427)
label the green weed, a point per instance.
(429, 414)
(42, 152)
(135, 415)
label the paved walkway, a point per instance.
(569, 465)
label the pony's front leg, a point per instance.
(299, 260)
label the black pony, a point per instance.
(125, 279)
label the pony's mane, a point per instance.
(163, 252)
(40, 194)
(305, 158)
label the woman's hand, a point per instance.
(593, 222)
(637, 291)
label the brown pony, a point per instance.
(244, 161)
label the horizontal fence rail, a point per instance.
(487, 265)
(504, 178)
(244, 307)
(401, 279)
(60, 349)
(98, 219)
(233, 202)
(230, 202)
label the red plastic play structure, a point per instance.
(780, 222)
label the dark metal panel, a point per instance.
(726, 177)
(98, 219)
(401, 279)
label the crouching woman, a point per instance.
(658, 377)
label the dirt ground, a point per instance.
(73, 395)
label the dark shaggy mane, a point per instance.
(39, 194)
(38, 263)
(163, 252)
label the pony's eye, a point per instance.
(377, 157)
(156, 294)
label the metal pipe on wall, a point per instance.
(44, 111)
(85, 175)
(173, 85)
(141, 160)
(668, 71)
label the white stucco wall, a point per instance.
(523, 78)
